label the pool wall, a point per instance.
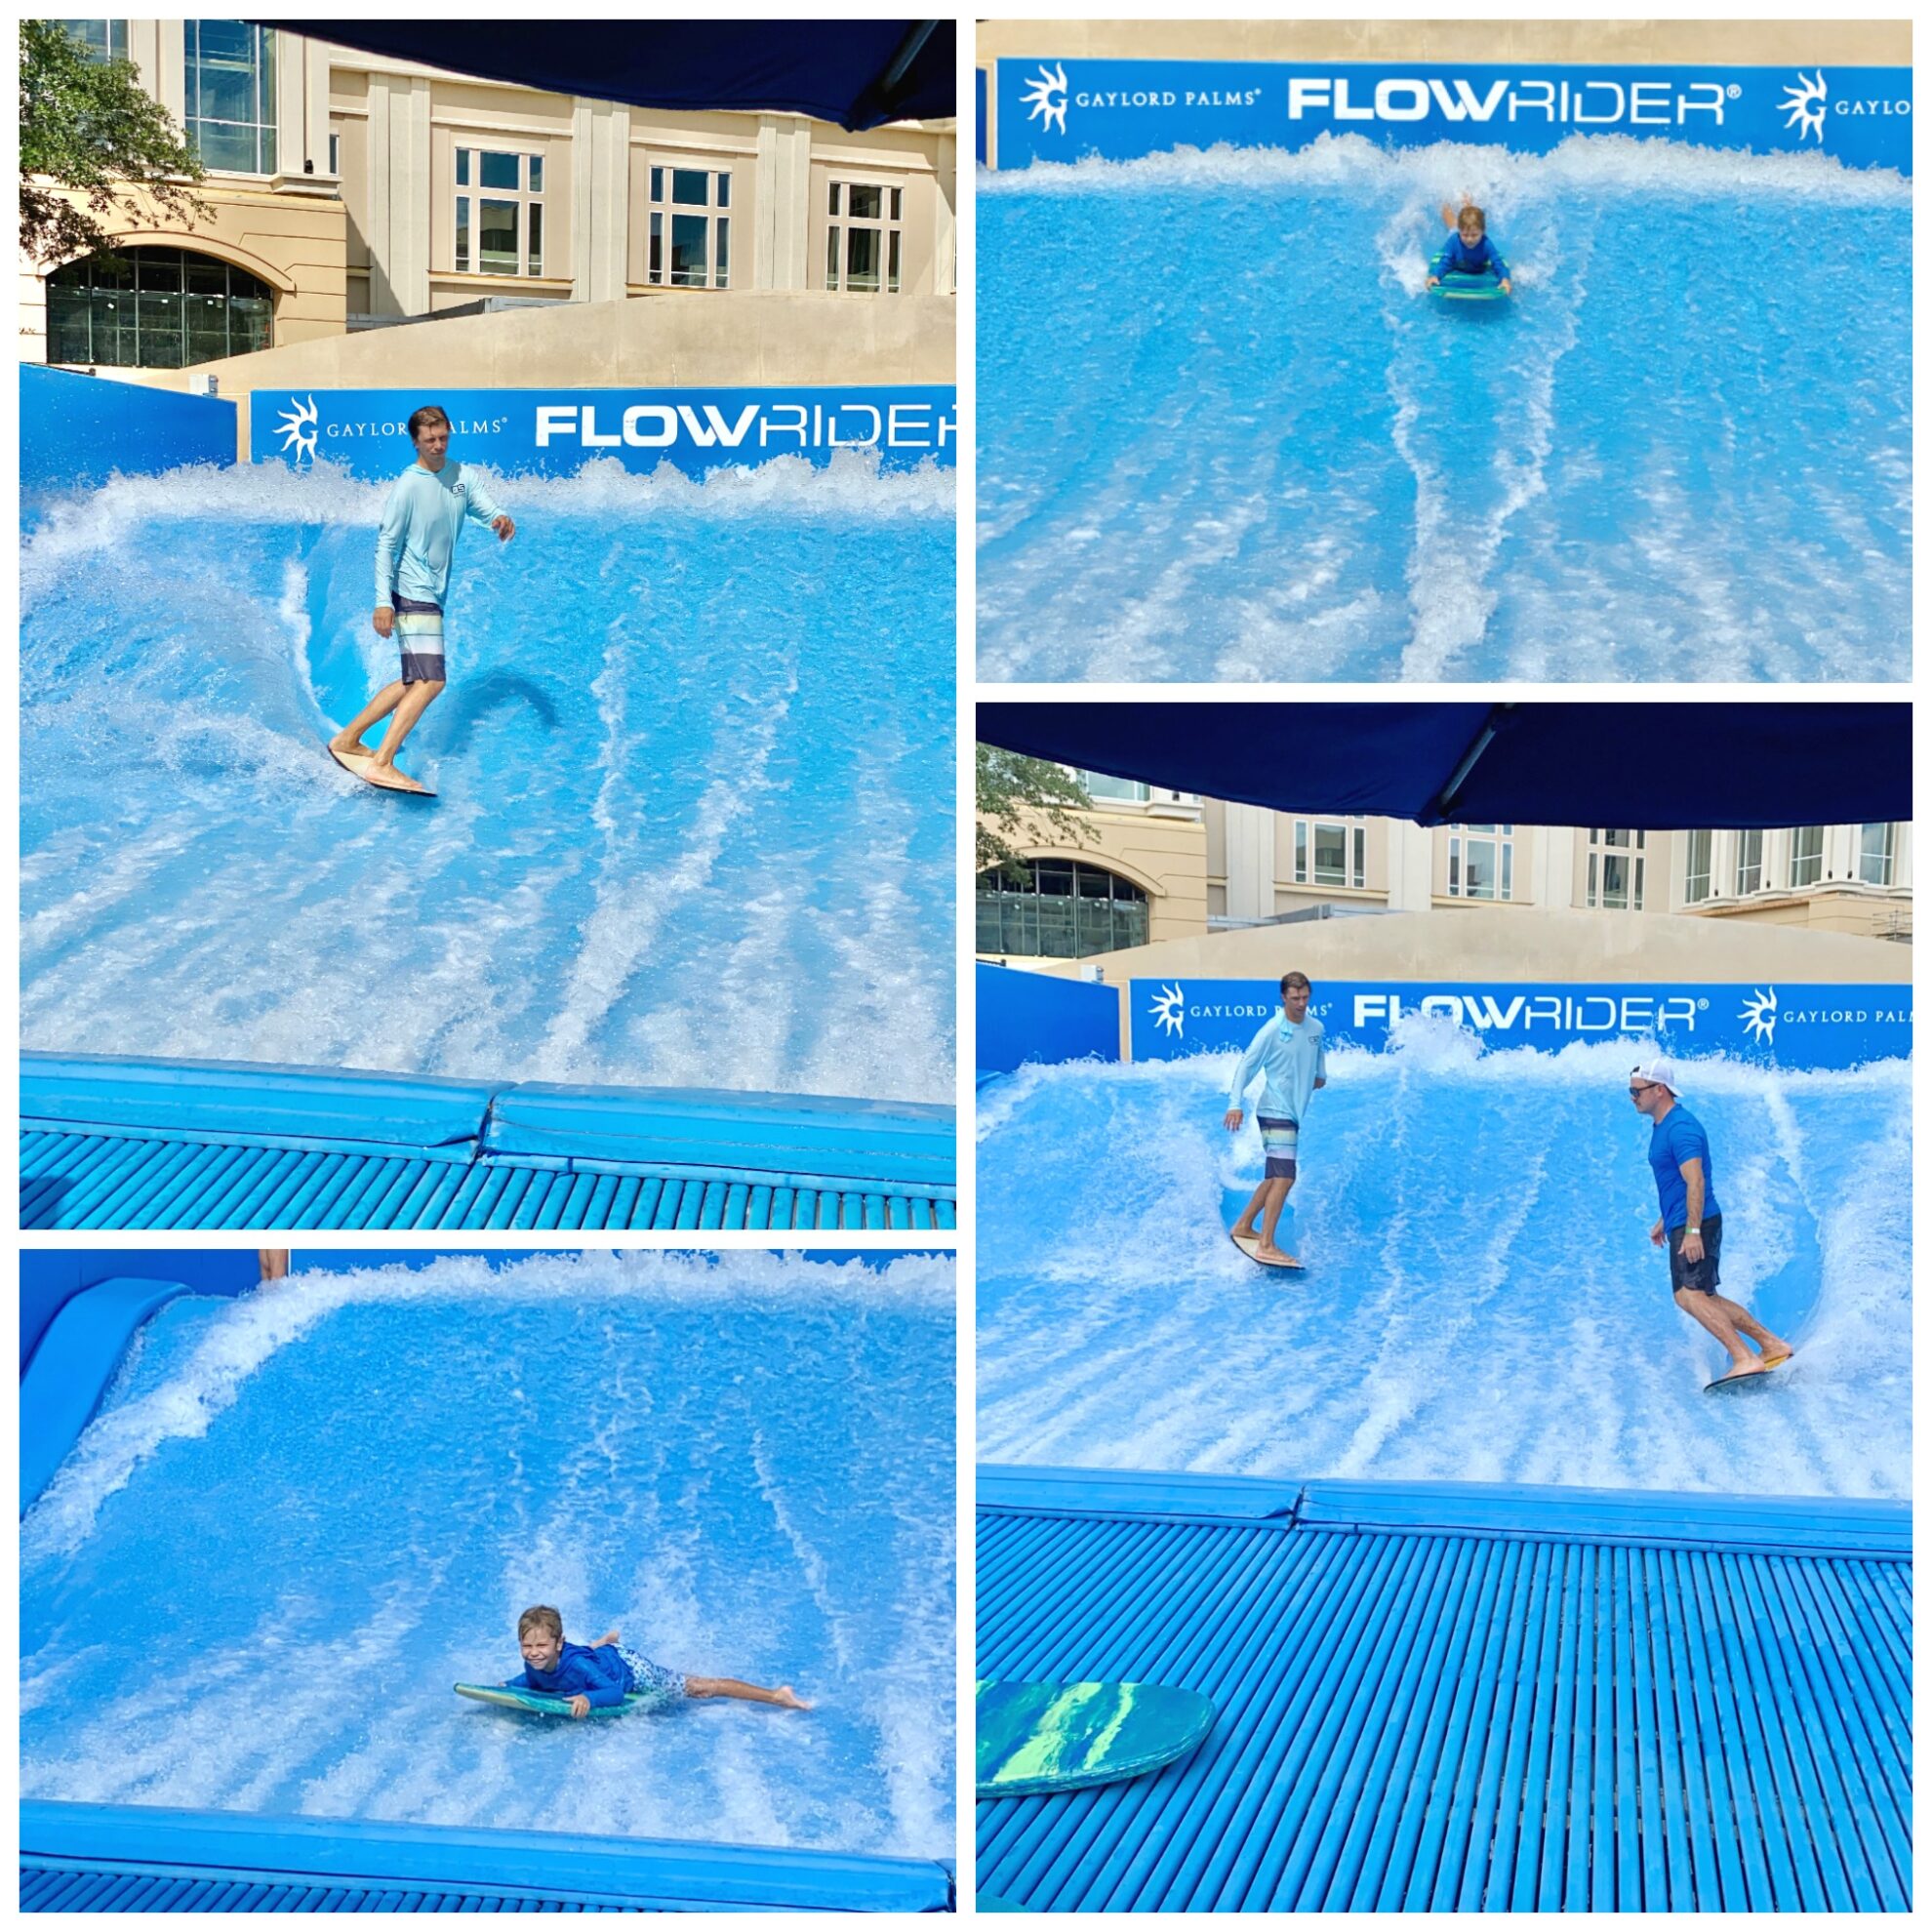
(1448, 1696)
(1809, 1026)
(1020, 1016)
(78, 430)
(557, 432)
(108, 1142)
(1062, 104)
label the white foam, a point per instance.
(1615, 164)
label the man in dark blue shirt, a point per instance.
(1690, 1224)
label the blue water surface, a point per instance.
(1481, 1301)
(695, 765)
(300, 1517)
(1224, 434)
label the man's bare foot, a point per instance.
(347, 745)
(1776, 1353)
(1268, 1251)
(1242, 1230)
(1737, 1372)
(389, 779)
(789, 1698)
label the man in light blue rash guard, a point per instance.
(1690, 1224)
(1290, 1051)
(414, 551)
(1468, 250)
(600, 1676)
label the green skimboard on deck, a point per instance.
(1032, 1737)
(539, 1706)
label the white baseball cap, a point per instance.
(1660, 1071)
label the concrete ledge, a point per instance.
(1766, 43)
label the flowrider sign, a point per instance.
(1061, 111)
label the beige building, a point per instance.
(346, 191)
(1172, 865)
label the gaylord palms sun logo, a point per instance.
(1804, 106)
(1169, 1007)
(1760, 1015)
(1045, 97)
(300, 426)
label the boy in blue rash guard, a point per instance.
(598, 1676)
(422, 520)
(1468, 250)
(1290, 1051)
(1690, 1224)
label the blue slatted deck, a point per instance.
(127, 1144)
(93, 1180)
(137, 1858)
(1441, 1698)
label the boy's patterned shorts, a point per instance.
(649, 1679)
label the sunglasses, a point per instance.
(1643, 1089)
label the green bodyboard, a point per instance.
(1031, 1737)
(539, 1705)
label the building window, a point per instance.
(1482, 862)
(690, 229)
(1103, 789)
(99, 40)
(154, 308)
(1615, 878)
(1696, 869)
(1750, 863)
(335, 154)
(499, 212)
(1331, 852)
(1877, 852)
(1061, 909)
(862, 243)
(231, 80)
(1807, 856)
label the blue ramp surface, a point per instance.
(1658, 1708)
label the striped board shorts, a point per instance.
(420, 633)
(1278, 1138)
(648, 1679)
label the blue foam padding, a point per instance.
(1021, 1016)
(1134, 1493)
(76, 1361)
(766, 1133)
(666, 1872)
(235, 1096)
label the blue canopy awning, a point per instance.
(855, 73)
(1669, 767)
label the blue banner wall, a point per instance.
(1795, 1026)
(1020, 1016)
(77, 430)
(1061, 111)
(557, 432)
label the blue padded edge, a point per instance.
(72, 1366)
(667, 1870)
(388, 1109)
(864, 1140)
(1798, 1525)
(1041, 1490)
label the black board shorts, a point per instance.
(1701, 1276)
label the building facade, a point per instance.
(345, 190)
(1257, 866)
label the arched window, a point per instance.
(1063, 908)
(154, 308)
